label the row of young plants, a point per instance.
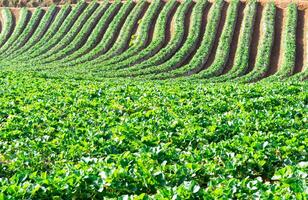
(41, 29)
(110, 34)
(26, 33)
(187, 48)
(126, 32)
(138, 43)
(60, 33)
(166, 52)
(77, 37)
(224, 45)
(201, 56)
(124, 35)
(288, 44)
(95, 37)
(75, 139)
(142, 36)
(264, 47)
(206, 43)
(241, 60)
(69, 36)
(157, 41)
(7, 25)
(20, 26)
(50, 32)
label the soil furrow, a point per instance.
(136, 25)
(277, 50)
(202, 31)
(234, 43)
(255, 39)
(170, 23)
(151, 31)
(218, 34)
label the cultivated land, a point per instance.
(154, 100)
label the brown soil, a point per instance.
(16, 13)
(136, 25)
(151, 31)
(33, 29)
(170, 24)
(280, 3)
(218, 34)
(300, 40)
(116, 34)
(277, 51)
(236, 35)
(202, 31)
(255, 38)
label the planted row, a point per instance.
(164, 53)
(7, 26)
(264, 47)
(38, 33)
(155, 45)
(288, 44)
(51, 31)
(187, 48)
(20, 26)
(241, 60)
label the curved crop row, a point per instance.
(190, 43)
(138, 43)
(7, 26)
(26, 34)
(95, 36)
(51, 31)
(75, 37)
(202, 54)
(125, 33)
(38, 34)
(62, 43)
(157, 42)
(62, 31)
(24, 13)
(165, 52)
(241, 60)
(224, 45)
(121, 39)
(265, 46)
(109, 35)
(135, 44)
(79, 39)
(132, 39)
(288, 44)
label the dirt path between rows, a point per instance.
(277, 50)
(218, 34)
(236, 34)
(170, 24)
(255, 39)
(202, 31)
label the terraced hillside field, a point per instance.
(218, 41)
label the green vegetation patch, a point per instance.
(159, 139)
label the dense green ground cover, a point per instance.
(158, 139)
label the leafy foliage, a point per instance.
(172, 139)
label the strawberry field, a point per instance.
(154, 100)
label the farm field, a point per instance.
(217, 41)
(154, 100)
